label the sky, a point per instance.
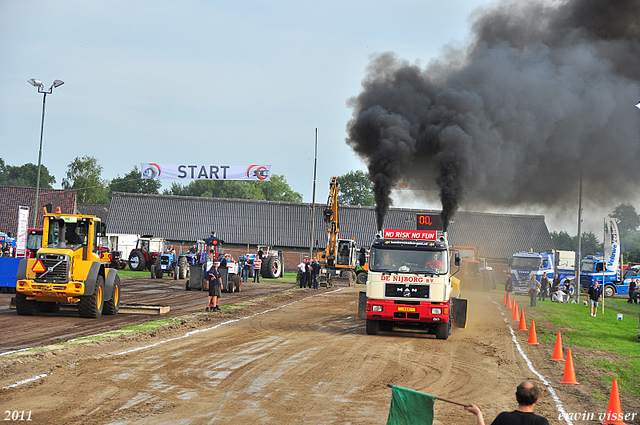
(237, 83)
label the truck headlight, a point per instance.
(376, 308)
(436, 310)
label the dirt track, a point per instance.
(21, 332)
(297, 358)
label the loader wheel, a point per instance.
(137, 262)
(183, 268)
(91, 305)
(442, 330)
(25, 307)
(49, 307)
(361, 278)
(113, 305)
(373, 327)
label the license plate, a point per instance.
(406, 309)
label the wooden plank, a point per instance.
(124, 308)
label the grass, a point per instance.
(604, 333)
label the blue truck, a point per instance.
(525, 266)
(591, 271)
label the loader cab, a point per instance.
(68, 232)
(347, 253)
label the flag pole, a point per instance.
(442, 399)
(604, 262)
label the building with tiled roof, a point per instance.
(12, 198)
(287, 225)
(99, 210)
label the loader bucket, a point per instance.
(459, 312)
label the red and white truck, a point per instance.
(409, 281)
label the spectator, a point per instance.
(508, 286)
(559, 295)
(257, 264)
(5, 250)
(594, 296)
(215, 287)
(315, 273)
(555, 283)
(544, 288)
(170, 250)
(633, 287)
(302, 269)
(245, 269)
(534, 290)
(527, 396)
(307, 272)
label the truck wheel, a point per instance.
(46, 307)
(91, 305)
(183, 267)
(609, 291)
(113, 305)
(137, 262)
(361, 278)
(25, 307)
(373, 327)
(442, 330)
(270, 268)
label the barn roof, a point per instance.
(12, 197)
(288, 224)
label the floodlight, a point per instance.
(35, 83)
(57, 83)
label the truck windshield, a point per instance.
(525, 263)
(408, 261)
(34, 241)
(587, 267)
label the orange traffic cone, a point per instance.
(523, 323)
(515, 311)
(504, 299)
(533, 338)
(614, 411)
(509, 301)
(569, 376)
(557, 351)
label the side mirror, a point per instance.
(456, 260)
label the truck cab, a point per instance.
(409, 284)
(591, 270)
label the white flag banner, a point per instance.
(611, 245)
(21, 240)
(152, 170)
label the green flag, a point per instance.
(410, 407)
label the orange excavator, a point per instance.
(340, 257)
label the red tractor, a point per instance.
(146, 252)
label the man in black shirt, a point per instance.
(594, 296)
(527, 396)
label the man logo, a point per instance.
(258, 171)
(151, 172)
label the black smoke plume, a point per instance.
(542, 91)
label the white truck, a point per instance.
(409, 284)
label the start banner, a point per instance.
(152, 170)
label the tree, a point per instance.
(84, 176)
(626, 218)
(355, 188)
(25, 175)
(590, 244)
(276, 189)
(563, 241)
(134, 183)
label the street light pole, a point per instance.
(39, 85)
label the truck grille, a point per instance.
(392, 290)
(57, 268)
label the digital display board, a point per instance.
(428, 222)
